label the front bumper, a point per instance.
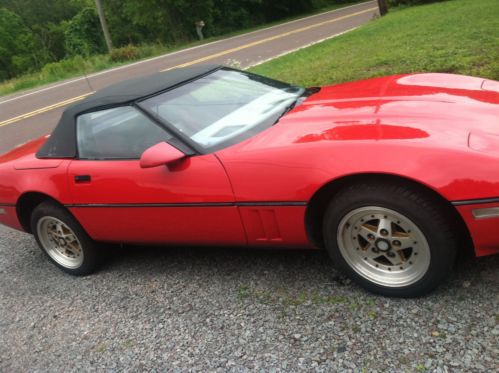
(482, 220)
(8, 217)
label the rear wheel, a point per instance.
(63, 240)
(390, 239)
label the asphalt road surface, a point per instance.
(28, 115)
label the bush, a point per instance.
(62, 67)
(130, 52)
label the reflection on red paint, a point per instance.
(366, 132)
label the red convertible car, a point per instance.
(392, 176)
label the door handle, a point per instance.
(83, 178)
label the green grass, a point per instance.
(459, 36)
(77, 66)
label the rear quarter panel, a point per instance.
(21, 172)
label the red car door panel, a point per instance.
(191, 202)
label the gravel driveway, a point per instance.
(235, 310)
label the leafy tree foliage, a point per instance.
(50, 39)
(82, 34)
(172, 21)
(40, 12)
(16, 45)
(34, 33)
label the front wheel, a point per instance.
(390, 239)
(63, 240)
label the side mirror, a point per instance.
(160, 155)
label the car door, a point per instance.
(115, 200)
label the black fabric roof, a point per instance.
(62, 142)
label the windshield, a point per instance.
(224, 107)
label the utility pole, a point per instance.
(383, 7)
(103, 24)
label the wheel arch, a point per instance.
(27, 202)
(317, 205)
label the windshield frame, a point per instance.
(200, 148)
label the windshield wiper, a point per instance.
(306, 93)
(288, 109)
(311, 90)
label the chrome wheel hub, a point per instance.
(60, 242)
(383, 246)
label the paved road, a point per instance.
(31, 114)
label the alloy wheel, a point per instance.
(383, 246)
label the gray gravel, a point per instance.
(235, 310)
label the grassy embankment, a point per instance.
(459, 36)
(77, 66)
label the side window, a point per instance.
(118, 133)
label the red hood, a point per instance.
(442, 108)
(413, 126)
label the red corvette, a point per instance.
(393, 176)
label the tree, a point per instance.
(103, 24)
(36, 12)
(46, 20)
(167, 21)
(17, 46)
(383, 7)
(82, 34)
(34, 33)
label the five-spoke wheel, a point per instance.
(384, 246)
(64, 241)
(391, 239)
(60, 242)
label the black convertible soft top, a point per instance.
(62, 142)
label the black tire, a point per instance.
(89, 258)
(429, 218)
